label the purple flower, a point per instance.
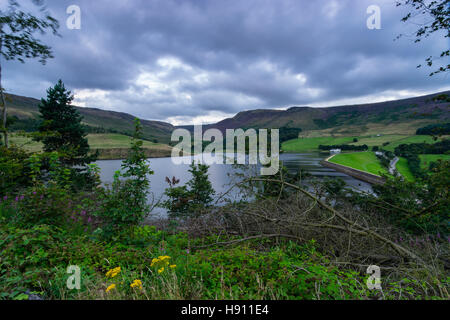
(83, 213)
(34, 192)
(89, 220)
(5, 198)
(438, 235)
(17, 199)
(22, 197)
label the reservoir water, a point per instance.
(219, 174)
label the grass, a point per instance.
(111, 145)
(364, 161)
(312, 144)
(113, 140)
(403, 168)
(425, 159)
(408, 140)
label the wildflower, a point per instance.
(161, 270)
(113, 272)
(22, 197)
(113, 286)
(17, 199)
(89, 220)
(173, 266)
(5, 198)
(136, 283)
(154, 261)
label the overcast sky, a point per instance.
(199, 61)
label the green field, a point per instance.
(312, 144)
(364, 161)
(407, 140)
(425, 159)
(102, 141)
(403, 168)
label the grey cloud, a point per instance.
(232, 55)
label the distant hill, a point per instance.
(399, 116)
(97, 120)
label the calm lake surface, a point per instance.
(219, 174)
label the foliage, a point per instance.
(17, 41)
(439, 12)
(125, 203)
(438, 129)
(345, 147)
(61, 128)
(412, 151)
(192, 198)
(286, 133)
(419, 207)
(13, 169)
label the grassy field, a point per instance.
(425, 159)
(311, 144)
(364, 161)
(403, 168)
(407, 140)
(111, 145)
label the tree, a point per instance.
(61, 129)
(17, 42)
(192, 198)
(439, 12)
(125, 203)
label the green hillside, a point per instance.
(390, 117)
(110, 145)
(97, 120)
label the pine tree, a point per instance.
(61, 129)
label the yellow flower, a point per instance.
(113, 286)
(113, 272)
(173, 266)
(161, 270)
(154, 261)
(136, 283)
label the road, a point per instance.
(392, 165)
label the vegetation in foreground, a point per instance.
(288, 244)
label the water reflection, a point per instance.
(219, 174)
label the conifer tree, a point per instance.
(61, 129)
